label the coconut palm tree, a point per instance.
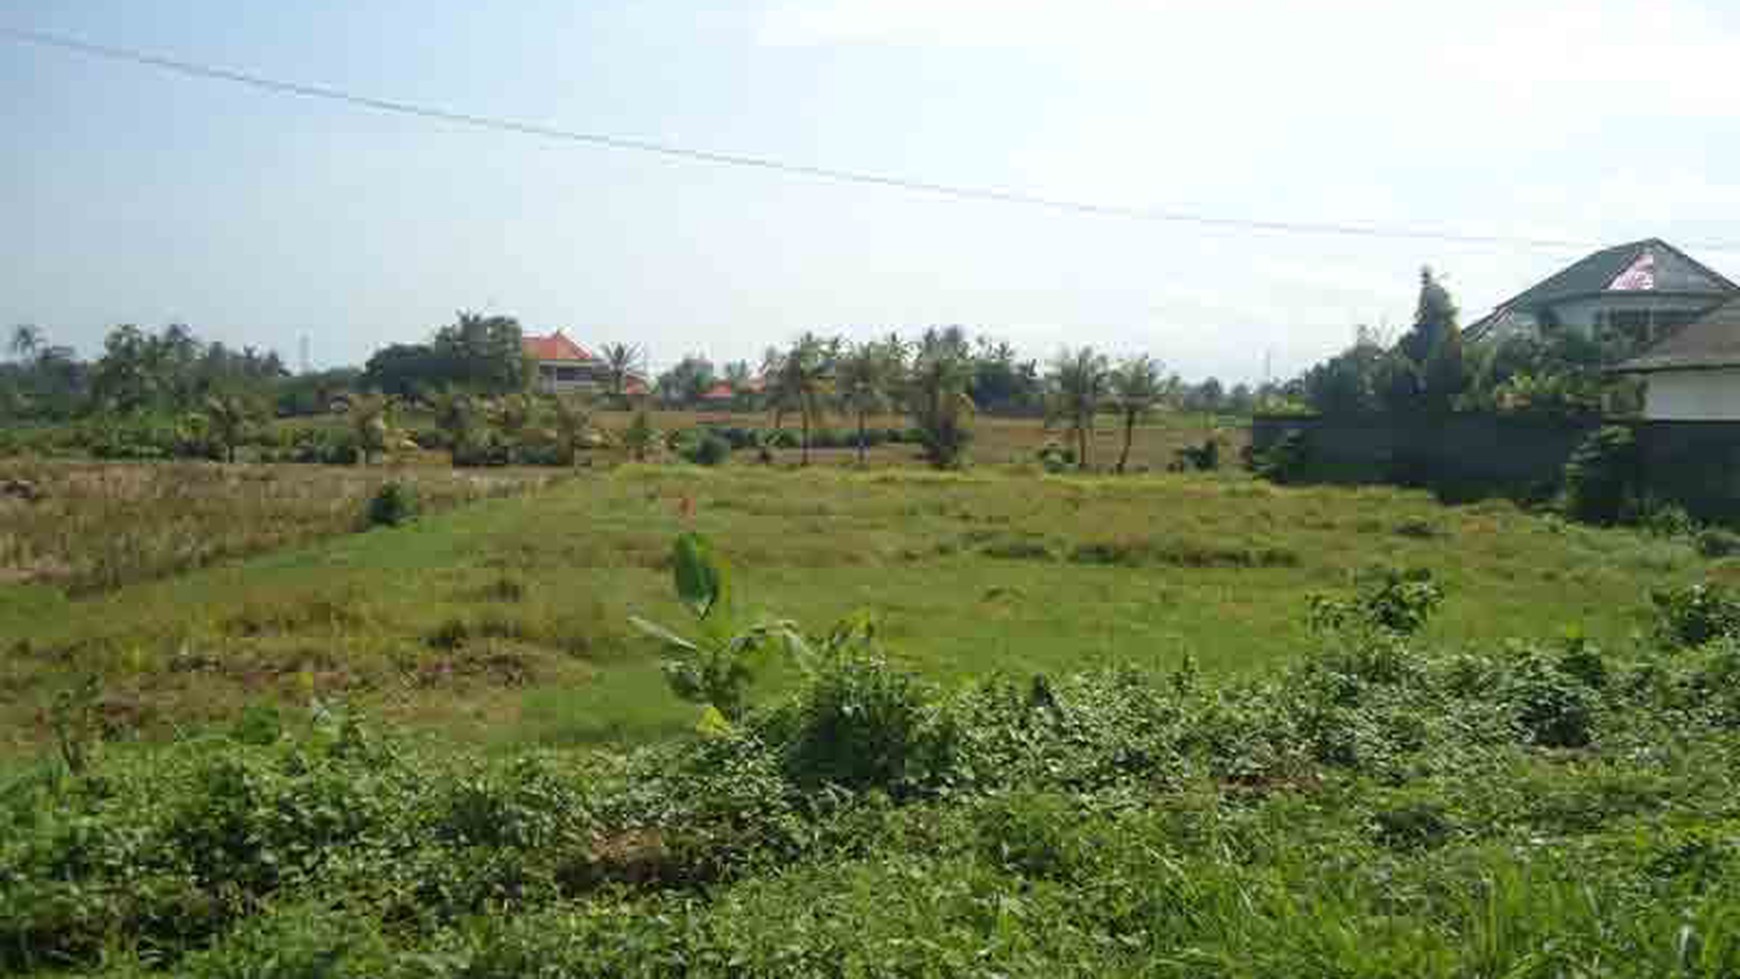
(371, 424)
(1078, 383)
(1137, 388)
(798, 380)
(26, 340)
(937, 399)
(868, 375)
(622, 362)
(228, 418)
(573, 424)
(456, 413)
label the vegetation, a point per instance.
(1373, 807)
(88, 527)
(1078, 384)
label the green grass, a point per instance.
(969, 574)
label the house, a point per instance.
(1693, 375)
(1645, 291)
(564, 367)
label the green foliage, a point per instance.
(393, 505)
(938, 398)
(1603, 476)
(1079, 381)
(859, 724)
(1717, 542)
(1287, 461)
(1695, 614)
(1389, 601)
(716, 666)
(708, 450)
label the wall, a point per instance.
(1708, 395)
(1694, 463)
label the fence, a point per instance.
(1696, 464)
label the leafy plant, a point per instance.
(1286, 461)
(1389, 601)
(393, 505)
(708, 450)
(1602, 477)
(715, 665)
(1695, 614)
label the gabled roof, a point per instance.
(1711, 340)
(1650, 265)
(556, 346)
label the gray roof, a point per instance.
(1675, 273)
(1711, 340)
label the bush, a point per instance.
(860, 724)
(1718, 542)
(1396, 602)
(1285, 461)
(709, 450)
(1603, 476)
(393, 505)
(1695, 614)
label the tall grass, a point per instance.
(90, 527)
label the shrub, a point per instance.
(1603, 476)
(1695, 614)
(1553, 707)
(1056, 458)
(709, 450)
(1285, 461)
(1718, 542)
(393, 505)
(1668, 520)
(861, 724)
(1392, 601)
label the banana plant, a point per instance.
(715, 664)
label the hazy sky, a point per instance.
(134, 195)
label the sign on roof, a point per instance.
(1639, 277)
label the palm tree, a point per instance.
(867, 378)
(456, 414)
(640, 437)
(26, 341)
(229, 416)
(797, 380)
(937, 399)
(371, 424)
(1078, 382)
(621, 363)
(573, 423)
(1137, 388)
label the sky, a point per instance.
(133, 195)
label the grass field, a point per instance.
(504, 622)
(320, 751)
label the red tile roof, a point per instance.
(556, 346)
(719, 392)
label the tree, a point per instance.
(486, 353)
(371, 424)
(685, 382)
(868, 375)
(1354, 381)
(26, 340)
(229, 417)
(1137, 388)
(622, 362)
(1079, 380)
(456, 414)
(798, 380)
(1433, 373)
(573, 424)
(640, 437)
(937, 397)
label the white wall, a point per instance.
(1710, 395)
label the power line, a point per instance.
(958, 191)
